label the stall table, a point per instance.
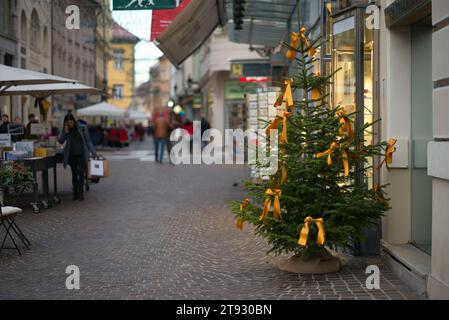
(43, 164)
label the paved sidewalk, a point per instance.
(163, 232)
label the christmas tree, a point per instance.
(319, 196)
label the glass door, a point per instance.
(422, 134)
(353, 89)
(344, 83)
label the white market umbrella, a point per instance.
(137, 115)
(10, 76)
(45, 90)
(102, 109)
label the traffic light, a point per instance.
(238, 8)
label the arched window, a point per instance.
(45, 42)
(23, 27)
(35, 33)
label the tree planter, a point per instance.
(323, 262)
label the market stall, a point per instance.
(39, 150)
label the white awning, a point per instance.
(191, 28)
(102, 109)
(10, 76)
(46, 90)
(137, 115)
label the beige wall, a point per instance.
(395, 112)
(438, 285)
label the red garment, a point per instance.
(113, 135)
(189, 128)
(123, 135)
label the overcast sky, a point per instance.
(139, 23)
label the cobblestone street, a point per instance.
(163, 232)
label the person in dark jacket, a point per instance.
(76, 152)
(5, 123)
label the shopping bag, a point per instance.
(99, 168)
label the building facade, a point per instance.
(121, 68)
(160, 85)
(74, 51)
(34, 45)
(8, 46)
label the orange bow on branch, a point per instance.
(240, 221)
(291, 53)
(311, 50)
(321, 239)
(329, 153)
(280, 118)
(391, 149)
(276, 193)
(286, 95)
(345, 124)
(284, 172)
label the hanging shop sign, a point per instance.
(250, 70)
(163, 18)
(143, 4)
(197, 101)
(236, 90)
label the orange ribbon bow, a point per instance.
(391, 149)
(310, 50)
(329, 153)
(286, 95)
(276, 205)
(291, 53)
(321, 239)
(345, 124)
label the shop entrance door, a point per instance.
(422, 134)
(353, 89)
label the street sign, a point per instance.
(144, 4)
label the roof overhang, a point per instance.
(265, 22)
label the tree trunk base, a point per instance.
(323, 262)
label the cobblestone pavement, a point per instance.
(163, 232)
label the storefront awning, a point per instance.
(265, 22)
(191, 28)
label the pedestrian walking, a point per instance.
(161, 128)
(205, 125)
(77, 148)
(4, 128)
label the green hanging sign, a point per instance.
(144, 4)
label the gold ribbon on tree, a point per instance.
(303, 237)
(391, 149)
(302, 35)
(345, 124)
(286, 95)
(276, 193)
(280, 118)
(380, 197)
(284, 172)
(240, 221)
(315, 93)
(329, 153)
(291, 52)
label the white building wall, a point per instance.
(438, 284)
(395, 104)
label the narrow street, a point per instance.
(163, 232)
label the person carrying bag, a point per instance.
(77, 149)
